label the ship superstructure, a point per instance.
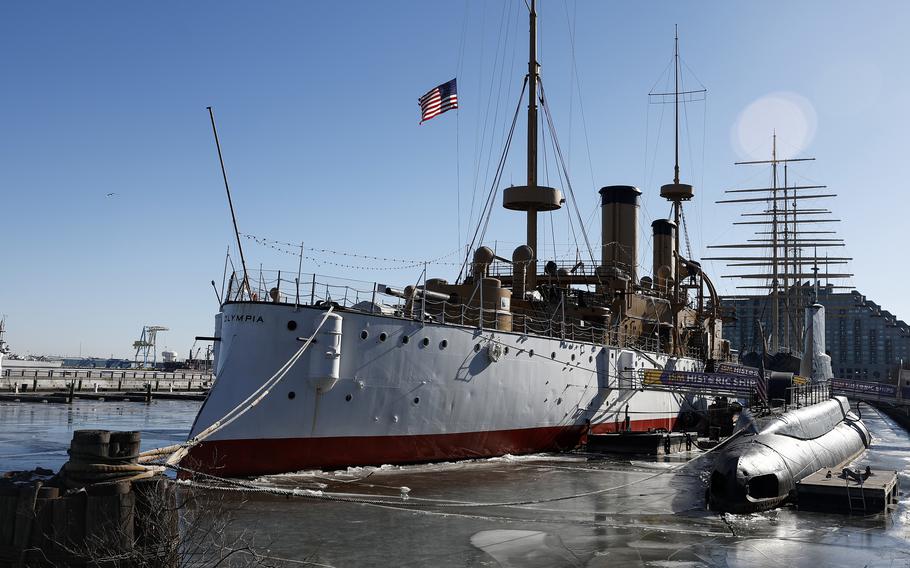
(512, 357)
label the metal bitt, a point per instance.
(532, 197)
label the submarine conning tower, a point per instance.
(619, 229)
(664, 244)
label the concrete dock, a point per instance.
(641, 443)
(66, 385)
(830, 490)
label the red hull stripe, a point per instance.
(236, 458)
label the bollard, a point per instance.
(94, 507)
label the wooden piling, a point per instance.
(93, 512)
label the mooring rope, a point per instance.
(365, 499)
(179, 451)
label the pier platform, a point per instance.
(71, 395)
(642, 443)
(83, 381)
(833, 491)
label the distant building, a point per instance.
(864, 341)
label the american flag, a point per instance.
(438, 100)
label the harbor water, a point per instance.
(540, 510)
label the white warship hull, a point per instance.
(408, 391)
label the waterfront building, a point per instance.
(865, 341)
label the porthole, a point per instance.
(348, 397)
(405, 339)
(383, 336)
(573, 356)
(477, 348)
(291, 395)
(531, 353)
(292, 325)
(426, 341)
(506, 350)
(416, 400)
(553, 355)
(590, 358)
(444, 343)
(364, 334)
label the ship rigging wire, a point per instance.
(406, 263)
(565, 173)
(498, 70)
(488, 204)
(228, 484)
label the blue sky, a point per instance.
(316, 107)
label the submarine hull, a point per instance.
(759, 468)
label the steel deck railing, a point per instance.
(312, 289)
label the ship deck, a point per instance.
(318, 291)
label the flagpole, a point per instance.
(227, 188)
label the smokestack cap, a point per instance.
(663, 227)
(626, 194)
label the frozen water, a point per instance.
(541, 510)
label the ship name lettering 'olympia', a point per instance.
(505, 360)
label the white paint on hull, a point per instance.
(440, 380)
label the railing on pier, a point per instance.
(101, 380)
(743, 386)
(871, 391)
(693, 382)
(62, 373)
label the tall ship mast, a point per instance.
(509, 358)
(786, 250)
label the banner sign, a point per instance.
(734, 369)
(689, 379)
(864, 388)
